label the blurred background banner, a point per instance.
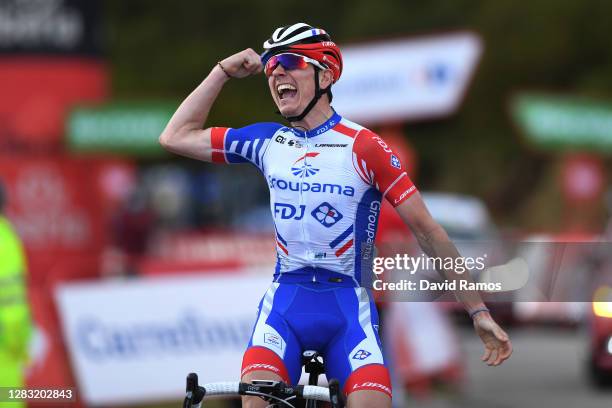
(50, 27)
(563, 122)
(128, 128)
(406, 79)
(60, 206)
(50, 58)
(134, 342)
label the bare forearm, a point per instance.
(436, 244)
(194, 110)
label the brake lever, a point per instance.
(194, 393)
(335, 396)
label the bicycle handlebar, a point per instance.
(274, 389)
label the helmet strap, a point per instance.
(318, 93)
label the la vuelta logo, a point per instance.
(304, 169)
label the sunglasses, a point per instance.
(289, 62)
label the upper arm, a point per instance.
(378, 165)
(224, 145)
(194, 143)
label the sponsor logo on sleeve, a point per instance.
(404, 194)
(395, 162)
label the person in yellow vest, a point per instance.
(15, 323)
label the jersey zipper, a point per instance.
(302, 201)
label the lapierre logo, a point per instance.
(372, 385)
(361, 355)
(331, 144)
(306, 169)
(253, 367)
(326, 214)
(312, 187)
(289, 211)
(404, 194)
(280, 139)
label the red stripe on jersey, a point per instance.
(344, 248)
(217, 138)
(282, 247)
(359, 170)
(345, 130)
(218, 157)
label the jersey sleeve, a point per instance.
(378, 165)
(243, 145)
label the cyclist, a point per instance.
(327, 177)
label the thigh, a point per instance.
(355, 356)
(273, 346)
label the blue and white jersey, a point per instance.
(326, 187)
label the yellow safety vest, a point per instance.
(15, 323)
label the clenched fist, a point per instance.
(242, 64)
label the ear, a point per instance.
(326, 78)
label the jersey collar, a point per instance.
(324, 127)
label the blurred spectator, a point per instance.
(133, 226)
(168, 187)
(15, 323)
(208, 201)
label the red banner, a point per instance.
(198, 252)
(38, 92)
(59, 206)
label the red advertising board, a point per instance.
(38, 92)
(59, 208)
(204, 251)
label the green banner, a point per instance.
(564, 123)
(129, 128)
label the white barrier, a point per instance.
(135, 341)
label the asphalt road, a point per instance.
(546, 370)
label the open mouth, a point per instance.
(286, 91)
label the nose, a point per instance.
(278, 70)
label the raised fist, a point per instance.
(242, 64)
